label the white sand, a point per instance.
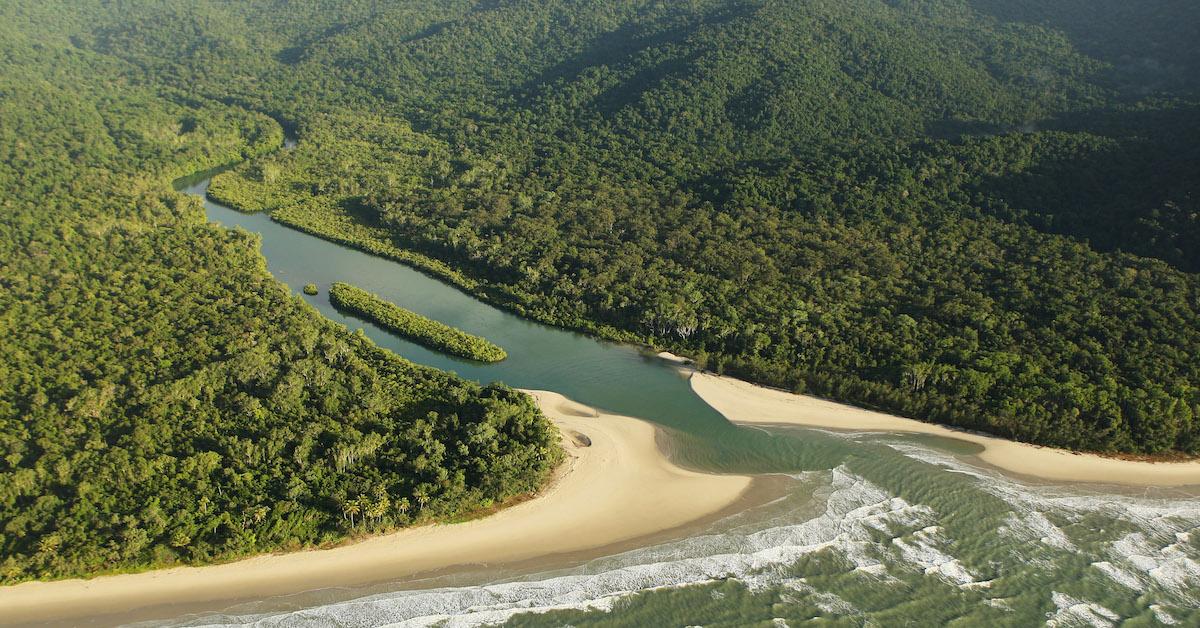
(742, 402)
(671, 357)
(619, 488)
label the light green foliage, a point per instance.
(341, 157)
(420, 329)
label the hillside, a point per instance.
(977, 213)
(981, 214)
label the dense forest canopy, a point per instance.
(162, 398)
(978, 212)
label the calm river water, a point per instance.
(876, 529)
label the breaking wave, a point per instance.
(856, 513)
(1161, 553)
(1142, 546)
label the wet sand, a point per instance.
(742, 402)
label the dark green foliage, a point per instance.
(162, 399)
(968, 212)
(419, 329)
(973, 212)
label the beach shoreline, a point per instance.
(617, 486)
(616, 490)
(749, 404)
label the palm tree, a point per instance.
(351, 508)
(378, 506)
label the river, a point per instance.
(876, 529)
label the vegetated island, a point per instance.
(420, 329)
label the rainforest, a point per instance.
(976, 213)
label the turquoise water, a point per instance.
(875, 529)
(612, 376)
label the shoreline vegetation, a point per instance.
(297, 432)
(415, 327)
(376, 241)
(613, 467)
(925, 388)
(140, 239)
(704, 206)
(616, 486)
(746, 403)
(334, 223)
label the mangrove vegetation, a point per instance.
(408, 324)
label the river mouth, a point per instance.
(617, 378)
(865, 522)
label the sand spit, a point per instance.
(742, 402)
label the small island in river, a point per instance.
(419, 329)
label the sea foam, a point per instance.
(856, 513)
(878, 534)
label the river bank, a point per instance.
(745, 403)
(833, 488)
(617, 486)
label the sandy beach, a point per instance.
(746, 403)
(616, 486)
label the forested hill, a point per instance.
(163, 399)
(981, 213)
(976, 212)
